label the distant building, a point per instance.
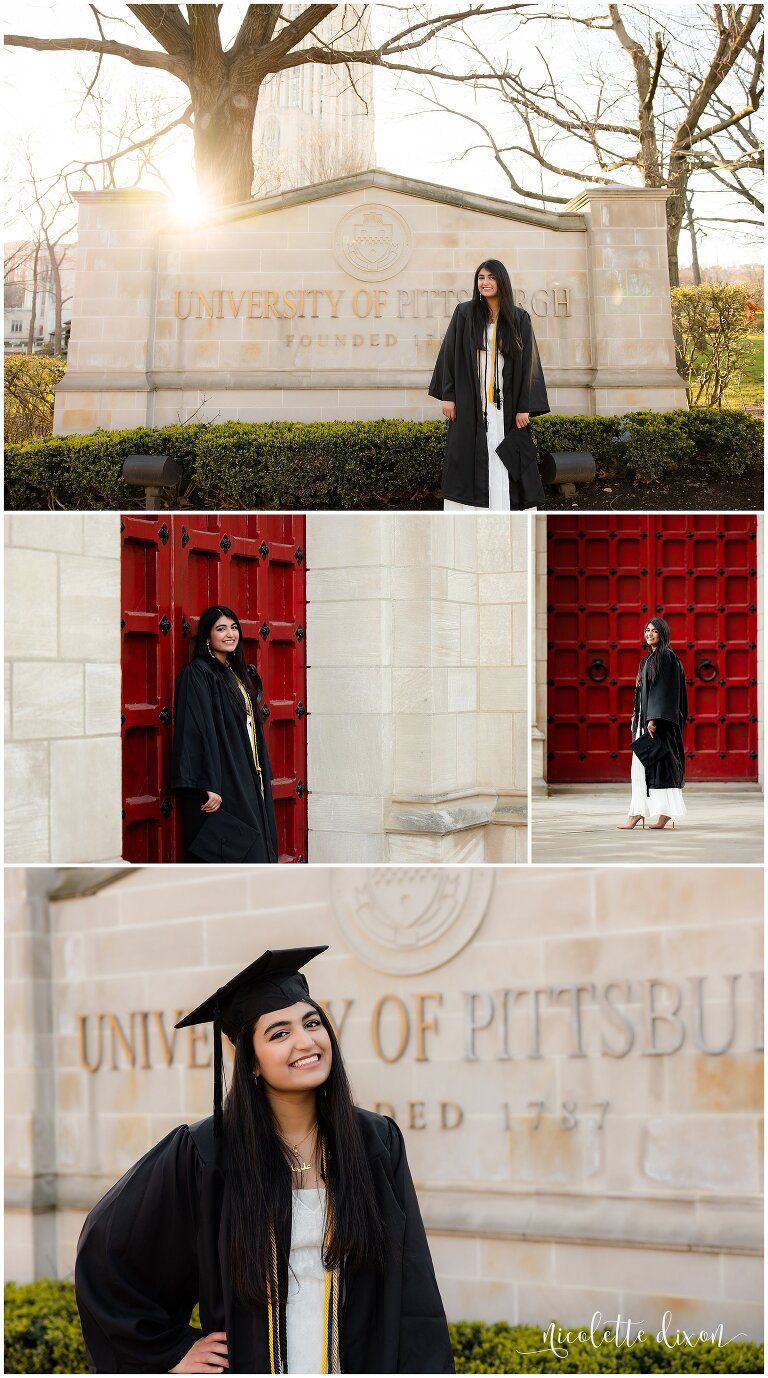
(316, 123)
(21, 291)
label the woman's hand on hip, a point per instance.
(449, 411)
(522, 419)
(651, 728)
(207, 1355)
(212, 803)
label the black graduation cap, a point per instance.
(272, 982)
(650, 748)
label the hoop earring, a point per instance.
(210, 652)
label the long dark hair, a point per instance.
(508, 327)
(260, 1177)
(245, 673)
(654, 660)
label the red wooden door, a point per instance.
(254, 564)
(606, 575)
(147, 688)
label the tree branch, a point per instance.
(111, 158)
(257, 28)
(168, 27)
(140, 57)
(726, 123)
(660, 51)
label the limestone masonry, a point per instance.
(329, 302)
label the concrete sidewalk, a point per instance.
(722, 825)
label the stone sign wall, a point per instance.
(330, 302)
(573, 1057)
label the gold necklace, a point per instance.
(294, 1149)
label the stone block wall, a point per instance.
(417, 635)
(172, 321)
(62, 688)
(633, 346)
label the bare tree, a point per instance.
(224, 82)
(48, 211)
(685, 113)
(128, 136)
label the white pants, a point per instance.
(498, 478)
(658, 802)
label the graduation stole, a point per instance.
(276, 1309)
(251, 727)
(491, 391)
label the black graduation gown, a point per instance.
(158, 1242)
(455, 379)
(664, 702)
(211, 752)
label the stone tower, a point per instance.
(315, 123)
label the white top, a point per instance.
(304, 1315)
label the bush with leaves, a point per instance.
(711, 321)
(43, 1335)
(502, 1348)
(30, 380)
(42, 1329)
(283, 465)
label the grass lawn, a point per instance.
(749, 391)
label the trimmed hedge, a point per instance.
(42, 1329)
(279, 465)
(479, 1348)
(42, 1335)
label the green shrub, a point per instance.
(84, 471)
(502, 1348)
(42, 1329)
(279, 465)
(42, 1335)
(728, 443)
(659, 443)
(332, 464)
(597, 434)
(28, 394)
(711, 321)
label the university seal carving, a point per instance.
(406, 920)
(372, 242)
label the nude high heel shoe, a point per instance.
(632, 823)
(662, 823)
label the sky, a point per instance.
(43, 95)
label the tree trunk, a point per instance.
(33, 316)
(223, 129)
(677, 184)
(694, 243)
(55, 263)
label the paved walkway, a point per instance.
(720, 826)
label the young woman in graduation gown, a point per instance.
(290, 1216)
(489, 379)
(219, 764)
(658, 728)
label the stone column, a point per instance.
(30, 1134)
(106, 382)
(539, 653)
(62, 700)
(634, 352)
(760, 566)
(417, 687)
